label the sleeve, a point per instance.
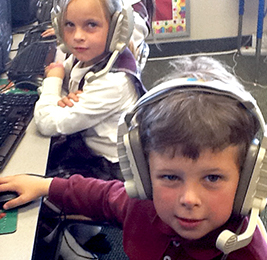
(104, 97)
(94, 198)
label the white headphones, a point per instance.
(120, 31)
(252, 189)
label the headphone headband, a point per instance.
(191, 84)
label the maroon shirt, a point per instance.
(145, 236)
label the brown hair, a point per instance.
(190, 122)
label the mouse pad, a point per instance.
(8, 221)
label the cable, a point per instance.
(14, 49)
(31, 27)
(191, 55)
(7, 86)
(199, 53)
(37, 175)
(224, 257)
(61, 227)
(240, 78)
(74, 251)
(37, 84)
(62, 219)
(234, 52)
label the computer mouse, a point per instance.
(5, 196)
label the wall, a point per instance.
(210, 19)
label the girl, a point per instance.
(83, 113)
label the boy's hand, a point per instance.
(55, 69)
(28, 188)
(68, 100)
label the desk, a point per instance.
(29, 157)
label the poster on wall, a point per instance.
(171, 19)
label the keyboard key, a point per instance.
(16, 112)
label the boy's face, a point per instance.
(194, 197)
(85, 29)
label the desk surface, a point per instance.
(29, 157)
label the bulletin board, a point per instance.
(171, 19)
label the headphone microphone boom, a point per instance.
(120, 32)
(251, 193)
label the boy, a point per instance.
(195, 138)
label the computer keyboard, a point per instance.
(16, 112)
(35, 35)
(26, 71)
(30, 62)
(34, 54)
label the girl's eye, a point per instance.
(170, 177)
(213, 178)
(69, 24)
(92, 24)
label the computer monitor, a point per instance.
(23, 12)
(5, 33)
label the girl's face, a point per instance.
(85, 29)
(195, 197)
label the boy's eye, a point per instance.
(213, 178)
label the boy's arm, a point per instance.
(94, 198)
(100, 200)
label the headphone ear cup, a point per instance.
(112, 26)
(55, 25)
(120, 30)
(139, 165)
(245, 177)
(54, 20)
(132, 162)
(55, 13)
(250, 197)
